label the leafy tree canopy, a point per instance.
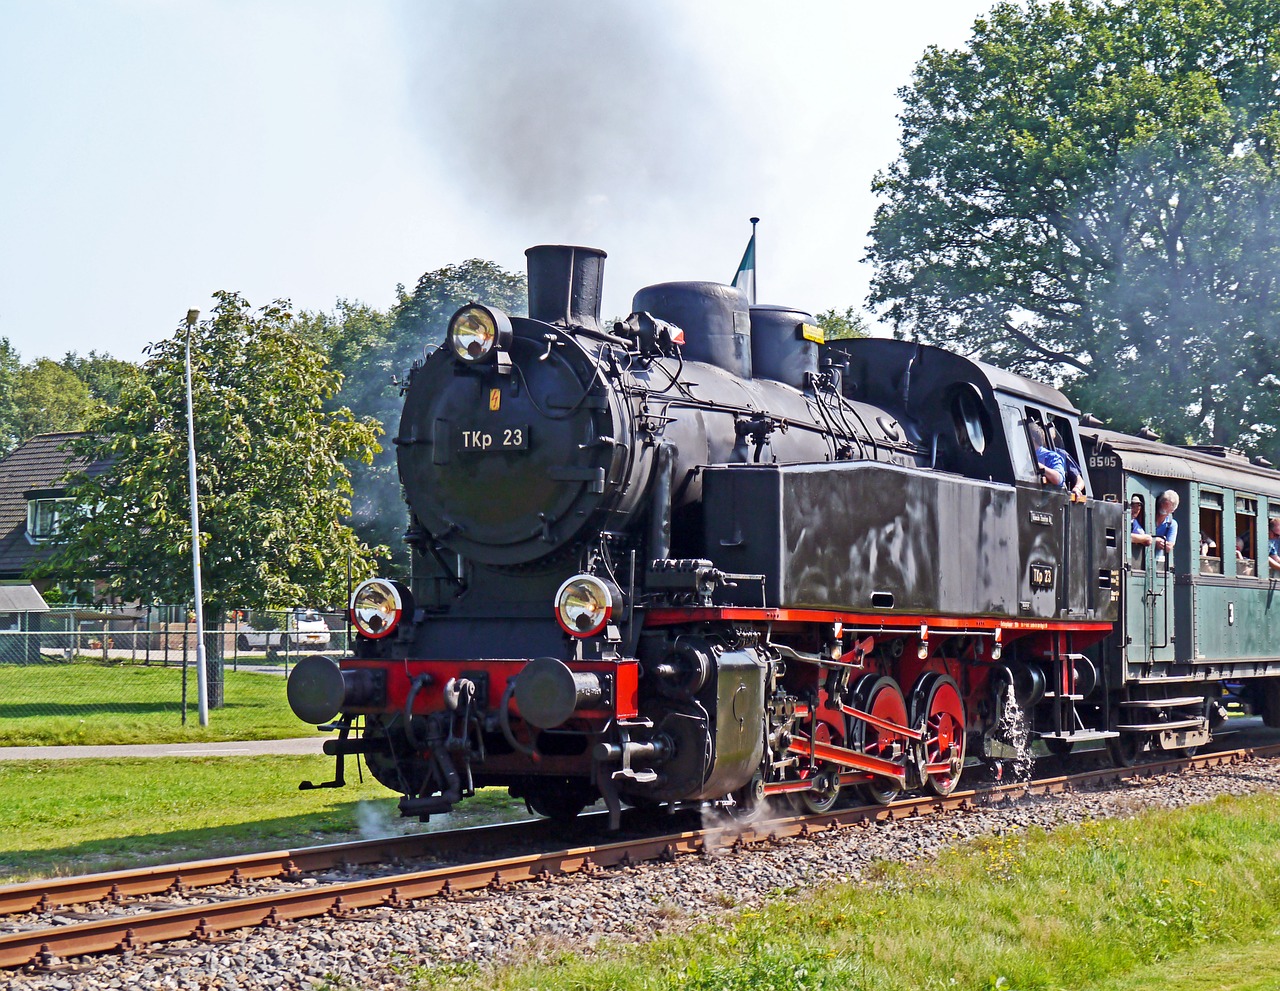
(105, 376)
(1090, 190)
(50, 398)
(842, 326)
(373, 350)
(273, 481)
(47, 396)
(10, 368)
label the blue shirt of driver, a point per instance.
(1048, 457)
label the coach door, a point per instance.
(1149, 610)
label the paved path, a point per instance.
(229, 748)
(1239, 732)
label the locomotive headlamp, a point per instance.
(584, 605)
(476, 331)
(377, 606)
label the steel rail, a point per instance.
(56, 892)
(45, 946)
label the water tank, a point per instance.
(715, 318)
(779, 349)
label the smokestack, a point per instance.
(565, 284)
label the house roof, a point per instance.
(38, 466)
(21, 598)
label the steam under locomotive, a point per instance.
(703, 556)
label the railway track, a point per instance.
(289, 894)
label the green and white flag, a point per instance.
(745, 277)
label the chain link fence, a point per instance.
(128, 675)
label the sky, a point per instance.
(153, 151)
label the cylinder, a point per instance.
(565, 284)
(779, 349)
(1085, 678)
(1029, 684)
(716, 320)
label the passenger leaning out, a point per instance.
(1166, 531)
(1273, 545)
(1137, 535)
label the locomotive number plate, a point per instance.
(1104, 461)
(1042, 576)
(511, 438)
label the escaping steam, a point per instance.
(1014, 731)
(373, 821)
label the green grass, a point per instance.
(62, 817)
(1236, 967)
(56, 704)
(1187, 900)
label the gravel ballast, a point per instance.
(372, 949)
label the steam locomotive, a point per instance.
(704, 556)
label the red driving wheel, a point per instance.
(879, 696)
(825, 786)
(936, 704)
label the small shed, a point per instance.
(19, 635)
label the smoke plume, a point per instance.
(572, 111)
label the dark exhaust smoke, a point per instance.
(577, 113)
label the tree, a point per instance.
(1089, 190)
(374, 350)
(273, 479)
(106, 377)
(49, 398)
(844, 326)
(10, 368)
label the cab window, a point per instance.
(1024, 462)
(969, 419)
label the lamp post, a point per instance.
(202, 675)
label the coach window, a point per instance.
(1246, 537)
(1210, 533)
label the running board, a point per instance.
(1176, 703)
(1082, 736)
(1161, 727)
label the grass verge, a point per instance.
(94, 704)
(64, 817)
(1188, 900)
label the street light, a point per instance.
(202, 675)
